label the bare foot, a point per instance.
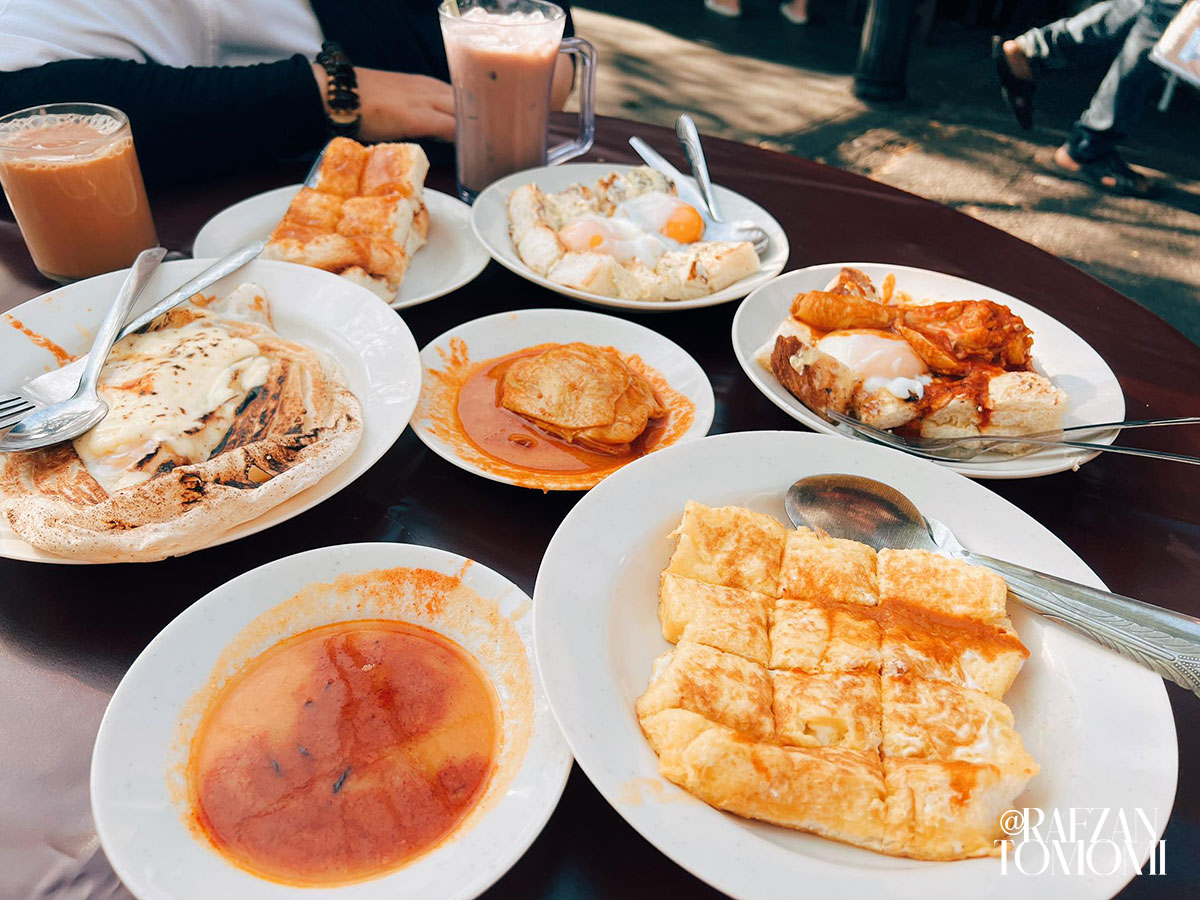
(731, 8)
(1018, 62)
(795, 12)
(1063, 157)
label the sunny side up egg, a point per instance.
(642, 228)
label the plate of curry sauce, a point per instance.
(556, 399)
(355, 721)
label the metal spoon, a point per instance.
(861, 509)
(52, 387)
(689, 137)
(84, 409)
(713, 230)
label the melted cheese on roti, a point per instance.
(171, 393)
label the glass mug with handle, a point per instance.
(502, 57)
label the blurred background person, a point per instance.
(1121, 30)
(211, 87)
(795, 11)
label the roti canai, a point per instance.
(213, 420)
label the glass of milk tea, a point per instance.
(72, 180)
(502, 57)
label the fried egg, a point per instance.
(662, 214)
(640, 229)
(880, 359)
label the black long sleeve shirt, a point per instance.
(198, 121)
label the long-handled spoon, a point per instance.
(84, 409)
(861, 509)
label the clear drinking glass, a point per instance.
(502, 57)
(71, 176)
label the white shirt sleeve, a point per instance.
(170, 32)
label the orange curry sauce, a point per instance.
(343, 752)
(503, 434)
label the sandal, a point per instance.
(1017, 92)
(1121, 179)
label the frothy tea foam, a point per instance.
(495, 31)
(58, 132)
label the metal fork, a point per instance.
(968, 447)
(15, 407)
(52, 386)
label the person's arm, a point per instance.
(396, 105)
(188, 122)
(192, 122)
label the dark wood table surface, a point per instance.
(68, 633)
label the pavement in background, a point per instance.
(761, 80)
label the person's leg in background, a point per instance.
(1091, 35)
(1079, 40)
(1117, 105)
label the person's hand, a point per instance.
(397, 106)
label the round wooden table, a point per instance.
(68, 633)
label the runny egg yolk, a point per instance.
(683, 225)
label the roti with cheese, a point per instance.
(213, 420)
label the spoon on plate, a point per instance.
(714, 229)
(84, 409)
(861, 509)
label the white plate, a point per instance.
(374, 347)
(451, 258)
(1100, 727)
(1093, 392)
(141, 826)
(489, 218)
(504, 333)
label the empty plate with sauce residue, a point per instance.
(357, 721)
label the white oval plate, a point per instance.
(489, 218)
(374, 348)
(1093, 392)
(504, 333)
(451, 258)
(143, 831)
(1100, 727)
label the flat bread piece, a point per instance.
(719, 686)
(946, 810)
(394, 170)
(583, 394)
(171, 491)
(828, 709)
(364, 219)
(819, 567)
(341, 170)
(728, 619)
(941, 584)
(729, 546)
(935, 720)
(838, 794)
(814, 636)
(983, 655)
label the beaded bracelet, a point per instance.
(344, 117)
